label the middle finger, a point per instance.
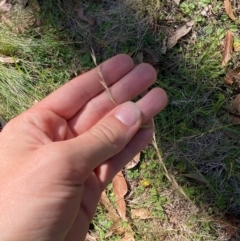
(130, 86)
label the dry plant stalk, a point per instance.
(228, 46)
(102, 81)
(168, 176)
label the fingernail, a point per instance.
(128, 114)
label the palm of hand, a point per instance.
(61, 161)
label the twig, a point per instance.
(168, 176)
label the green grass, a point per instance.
(191, 131)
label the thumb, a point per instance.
(105, 139)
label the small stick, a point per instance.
(166, 173)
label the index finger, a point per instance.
(71, 97)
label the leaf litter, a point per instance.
(81, 14)
(140, 213)
(146, 55)
(234, 111)
(232, 76)
(228, 9)
(120, 189)
(134, 162)
(4, 6)
(179, 33)
(8, 60)
(117, 227)
(228, 47)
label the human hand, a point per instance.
(57, 157)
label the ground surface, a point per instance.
(50, 42)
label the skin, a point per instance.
(57, 157)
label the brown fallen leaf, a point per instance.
(128, 237)
(22, 20)
(228, 9)
(81, 15)
(235, 119)
(230, 228)
(152, 58)
(235, 106)
(119, 227)
(140, 213)
(228, 46)
(232, 76)
(231, 134)
(133, 162)
(148, 55)
(91, 20)
(112, 213)
(4, 6)
(177, 1)
(90, 238)
(120, 189)
(228, 80)
(197, 177)
(8, 60)
(139, 57)
(179, 33)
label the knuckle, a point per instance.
(108, 136)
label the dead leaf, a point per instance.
(228, 9)
(179, 33)
(228, 45)
(232, 76)
(235, 119)
(23, 19)
(112, 213)
(228, 80)
(152, 58)
(149, 56)
(8, 60)
(119, 227)
(177, 1)
(206, 11)
(140, 213)
(128, 237)
(81, 15)
(5, 7)
(235, 106)
(90, 238)
(133, 162)
(197, 177)
(120, 189)
(91, 20)
(231, 134)
(139, 56)
(231, 228)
